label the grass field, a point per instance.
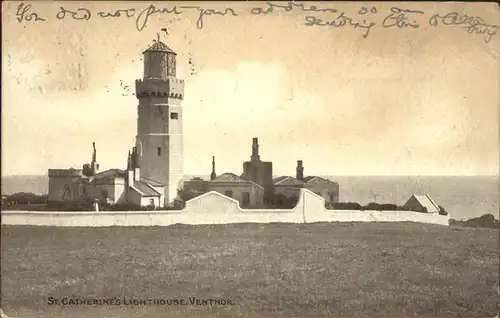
(266, 270)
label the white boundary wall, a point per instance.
(215, 208)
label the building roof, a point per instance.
(145, 189)
(152, 182)
(316, 179)
(195, 179)
(111, 174)
(427, 202)
(227, 177)
(278, 179)
(287, 180)
(159, 47)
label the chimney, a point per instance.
(135, 165)
(255, 150)
(213, 175)
(130, 177)
(137, 174)
(130, 170)
(93, 165)
(94, 157)
(129, 161)
(300, 170)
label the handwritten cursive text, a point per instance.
(340, 21)
(271, 7)
(399, 18)
(206, 12)
(472, 24)
(79, 14)
(23, 13)
(144, 15)
(367, 18)
(129, 13)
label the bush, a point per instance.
(383, 207)
(373, 206)
(69, 206)
(281, 201)
(484, 221)
(369, 207)
(26, 198)
(187, 194)
(347, 206)
(183, 195)
(120, 207)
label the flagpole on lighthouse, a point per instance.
(164, 30)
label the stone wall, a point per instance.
(215, 208)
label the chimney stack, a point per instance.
(255, 150)
(135, 165)
(213, 175)
(130, 170)
(300, 170)
(129, 161)
(93, 165)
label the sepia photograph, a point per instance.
(250, 159)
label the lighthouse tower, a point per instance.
(159, 123)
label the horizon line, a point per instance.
(322, 174)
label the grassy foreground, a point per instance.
(307, 270)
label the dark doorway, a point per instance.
(245, 200)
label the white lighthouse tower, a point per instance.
(159, 138)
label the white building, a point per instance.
(421, 203)
(155, 166)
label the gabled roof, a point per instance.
(215, 194)
(427, 202)
(111, 174)
(152, 182)
(145, 189)
(159, 47)
(231, 177)
(316, 180)
(227, 177)
(306, 179)
(287, 180)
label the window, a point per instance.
(159, 151)
(332, 197)
(67, 193)
(228, 193)
(245, 201)
(152, 201)
(105, 193)
(174, 116)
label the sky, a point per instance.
(402, 101)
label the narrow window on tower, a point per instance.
(174, 115)
(159, 151)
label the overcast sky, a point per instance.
(413, 101)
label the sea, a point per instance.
(464, 197)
